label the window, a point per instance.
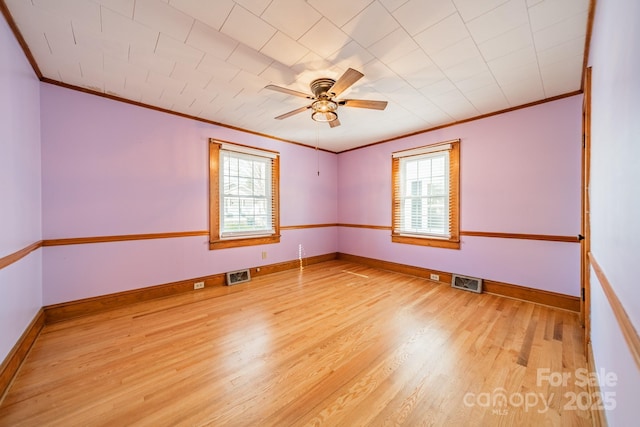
(426, 201)
(243, 192)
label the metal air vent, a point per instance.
(472, 284)
(239, 276)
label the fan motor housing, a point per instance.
(320, 87)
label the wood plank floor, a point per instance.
(335, 344)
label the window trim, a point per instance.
(216, 241)
(453, 242)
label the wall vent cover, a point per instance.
(472, 284)
(239, 276)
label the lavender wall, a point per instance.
(20, 210)
(520, 173)
(111, 168)
(615, 195)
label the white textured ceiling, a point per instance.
(435, 61)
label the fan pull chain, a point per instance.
(317, 144)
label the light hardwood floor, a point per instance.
(334, 344)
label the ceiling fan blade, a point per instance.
(334, 123)
(292, 113)
(364, 103)
(345, 81)
(289, 91)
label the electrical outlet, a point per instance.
(264, 254)
(434, 277)
(198, 285)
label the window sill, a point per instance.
(245, 241)
(426, 241)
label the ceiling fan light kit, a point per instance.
(324, 91)
(324, 110)
(321, 116)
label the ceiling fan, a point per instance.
(324, 105)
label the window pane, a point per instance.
(231, 186)
(245, 168)
(232, 166)
(262, 222)
(436, 215)
(436, 187)
(416, 214)
(259, 170)
(231, 206)
(411, 171)
(416, 188)
(261, 207)
(246, 187)
(424, 168)
(438, 166)
(259, 187)
(246, 207)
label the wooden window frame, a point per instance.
(453, 242)
(215, 239)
